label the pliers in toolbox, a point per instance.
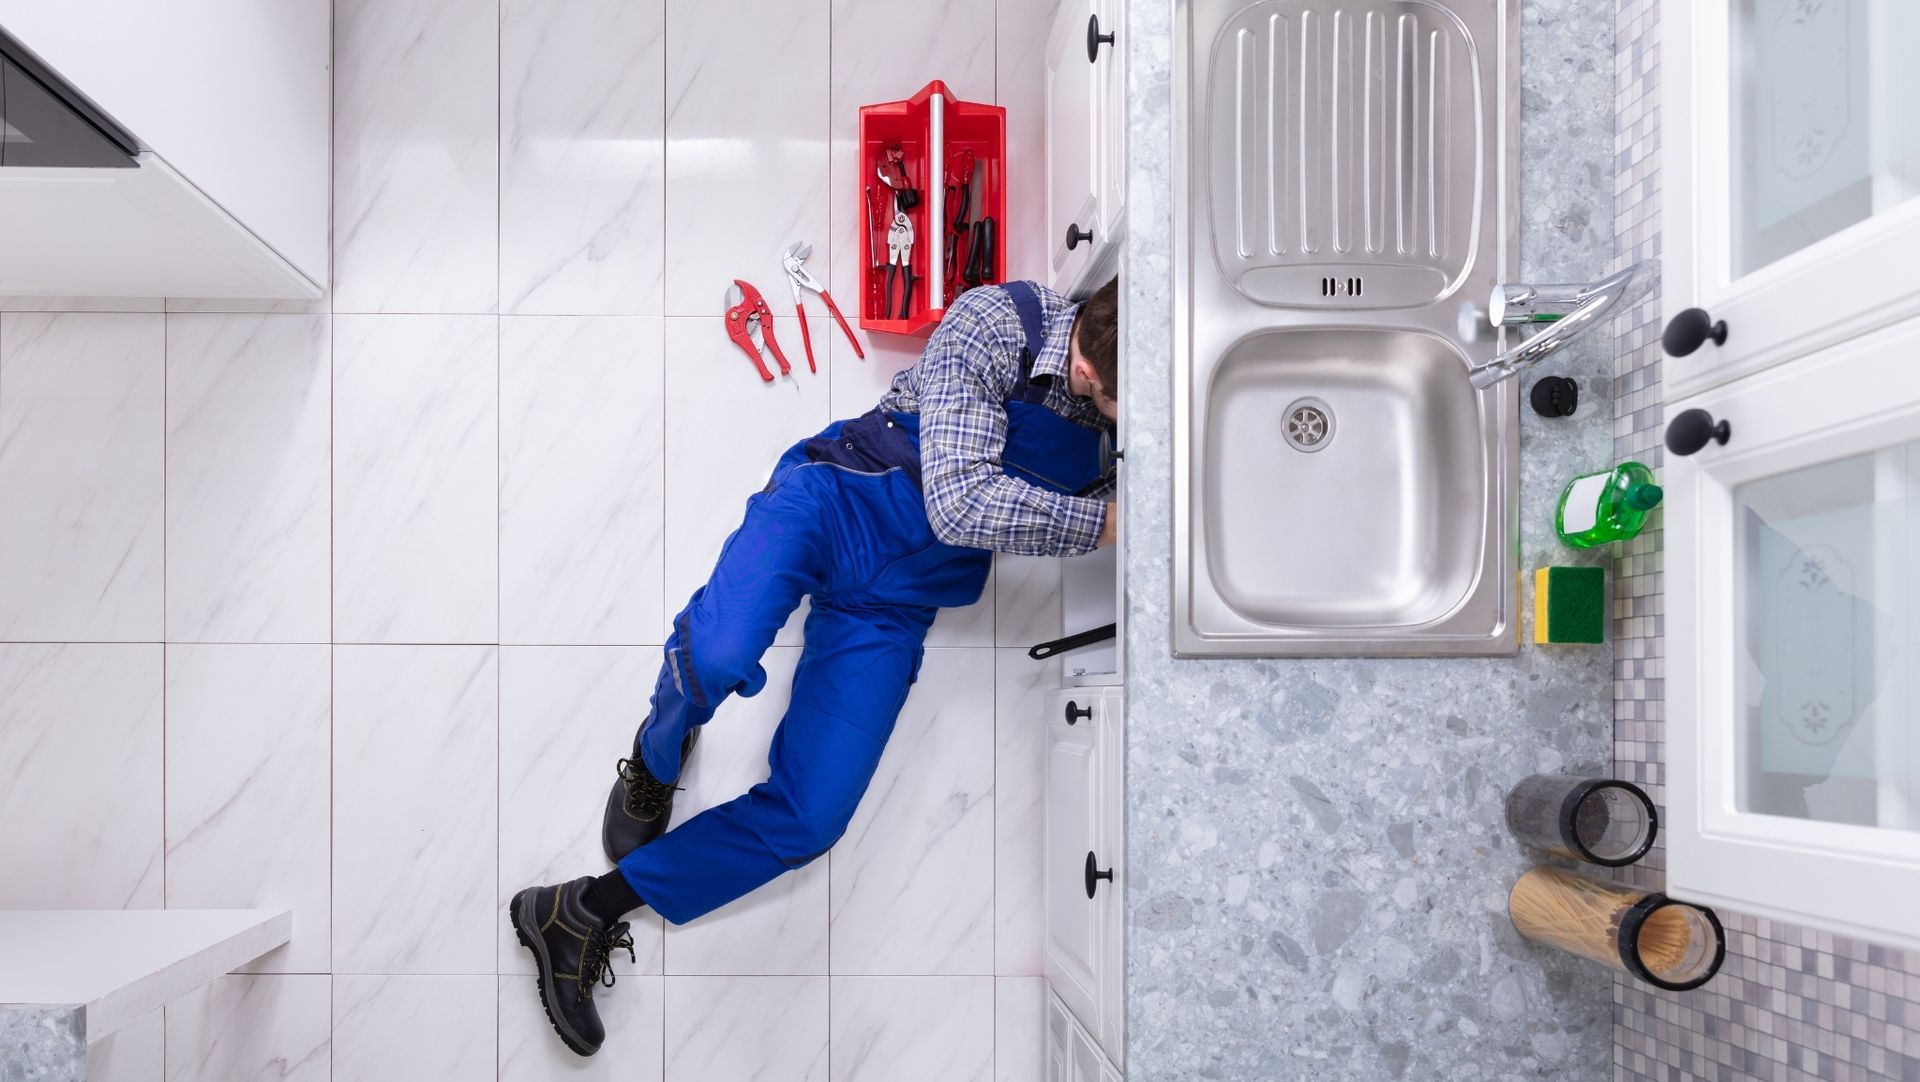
(794, 260)
(749, 320)
(899, 258)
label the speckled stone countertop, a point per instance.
(1317, 859)
(43, 1044)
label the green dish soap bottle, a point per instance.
(1610, 506)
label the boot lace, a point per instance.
(596, 961)
(647, 796)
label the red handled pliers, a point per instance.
(794, 260)
(749, 320)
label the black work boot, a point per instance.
(640, 804)
(571, 948)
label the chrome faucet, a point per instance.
(1567, 310)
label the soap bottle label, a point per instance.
(1581, 510)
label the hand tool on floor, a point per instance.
(899, 258)
(749, 320)
(794, 260)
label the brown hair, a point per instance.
(1097, 328)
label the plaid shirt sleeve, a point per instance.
(963, 430)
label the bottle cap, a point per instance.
(1644, 497)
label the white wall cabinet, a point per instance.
(1085, 136)
(1791, 167)
(1084, 852)
(1072, 1053)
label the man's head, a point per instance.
(1093, 353)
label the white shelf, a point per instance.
(121, 963)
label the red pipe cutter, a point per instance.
(749, 320)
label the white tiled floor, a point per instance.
(350, 606)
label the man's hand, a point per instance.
(1110, 528)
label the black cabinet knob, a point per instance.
(1555, 396)
(1095, 875)
(1095, 38)
(1691, 430)
(1075, 235)
(1690, 330)
(1075, 711)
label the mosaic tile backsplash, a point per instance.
(1791, 1004)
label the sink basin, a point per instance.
(1344, 483)
(1344, 184)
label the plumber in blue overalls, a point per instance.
(995, 440)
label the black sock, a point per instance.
(610, 897)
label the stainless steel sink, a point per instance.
(1345, 183)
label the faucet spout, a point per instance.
(1574, 310)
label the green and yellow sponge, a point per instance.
(1569, 605)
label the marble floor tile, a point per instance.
(746, 1029)
(912, 881)
(134, 1053)
(1020, 84)
(747, 164)
(582, 480)
(885, 52)
(1019, 795)
(582, 157)
(249, 751)
(275, 1027)
(782, 927)
(567, 715)
(249, 478)
(415, 471)
(1019, 1029)
(415, 839)
(82, 431)
(415, 155)
(80, 776)
(417, 1028)
(1026, 600)
(930, 1029)
(633, 1010)
(725, 431)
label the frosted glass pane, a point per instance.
(1825, 127)
(1827, 641)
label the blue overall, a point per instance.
(843, 521)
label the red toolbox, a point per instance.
(951, 155)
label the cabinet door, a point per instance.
(1791, 166)
(1073, 151)
(1059, 1042)
(1110, 835)
(1110, 121)
(1075, 948)
(1793, 621)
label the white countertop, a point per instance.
(121, 963)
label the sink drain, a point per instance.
(1309, 425)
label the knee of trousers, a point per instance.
(799, 834)
(707, 668)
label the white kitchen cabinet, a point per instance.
(1072, 1053)
(1085, 136)
(1084, 851)
(1790, 169)
(1792, 166)
(224, 106)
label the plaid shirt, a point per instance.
(959, 387)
